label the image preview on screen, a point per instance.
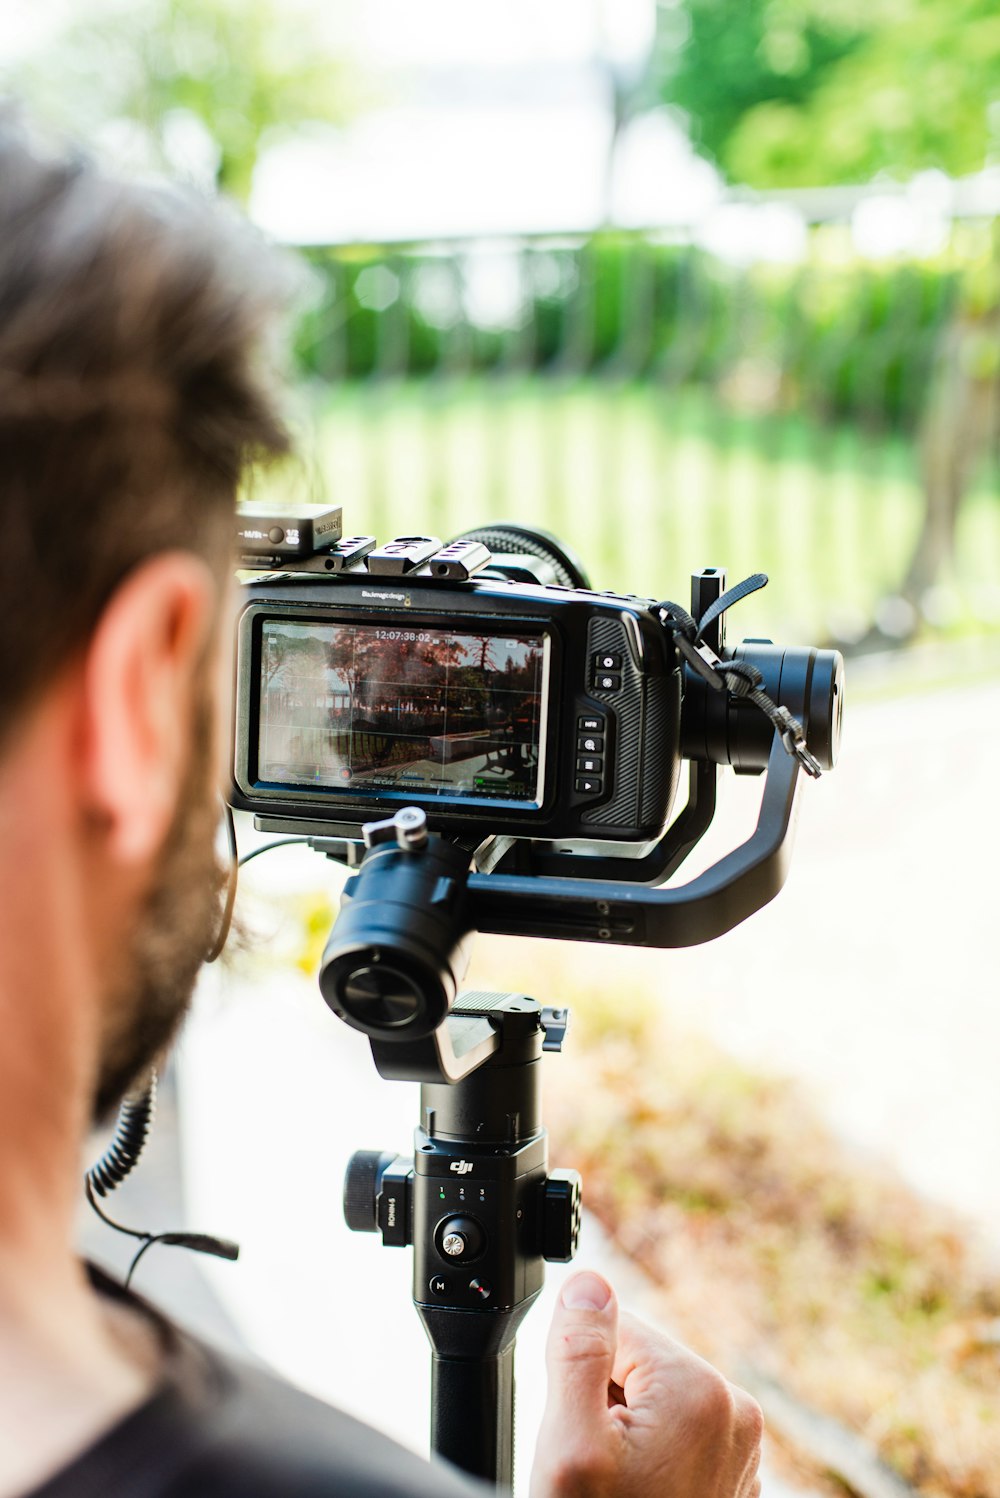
(424, 710)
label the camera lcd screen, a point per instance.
(348, 707)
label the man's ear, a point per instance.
(140, 674)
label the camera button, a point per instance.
(592, 724)
(605, 661)
(588, 785)
(608, 681)
(481, 1289)
(438, 1285)
(590, 744)
(593, 764)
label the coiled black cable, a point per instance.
(137, 1111)
(135, 1120)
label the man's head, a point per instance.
(132, 395)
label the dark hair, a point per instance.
(133, 327)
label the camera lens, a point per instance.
(379, 997)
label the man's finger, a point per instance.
(581, 1350)
(643, 1355)
(650, 1366)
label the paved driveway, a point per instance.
(875, 976)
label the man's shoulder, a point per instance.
(218, 1427)
(262, 1438)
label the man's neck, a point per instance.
(68, 1369)
(65, 1378)
(65, 1373)
(48, 1017)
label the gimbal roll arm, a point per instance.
(634, 915)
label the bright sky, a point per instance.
(516, 33)
(433, 33)
(503, 124)
(28, 24)
(496, 120)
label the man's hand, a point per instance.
(631, 1413)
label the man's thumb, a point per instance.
(581, 1351)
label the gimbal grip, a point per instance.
(472, 1414)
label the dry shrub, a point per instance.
(773, 1243)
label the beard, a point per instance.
(179, 920)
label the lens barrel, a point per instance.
(809, 682)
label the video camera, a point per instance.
(487, 683)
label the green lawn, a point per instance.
(648, 484)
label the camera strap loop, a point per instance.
(739, 678)
(735, 594)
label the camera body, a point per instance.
(497, 706)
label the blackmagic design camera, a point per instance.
(494, 746)
(497, 692)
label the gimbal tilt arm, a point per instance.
(584, 909)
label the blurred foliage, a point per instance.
(279, 929)
(799, 93)
(835, 405)
(775, 1246)
(835, 337)
(220, 78)
(647, 480)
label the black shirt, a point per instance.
(216, 1428)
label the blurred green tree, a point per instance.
(799, 93)
(228, 75)
(806, 93)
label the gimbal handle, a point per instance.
(480, 1208)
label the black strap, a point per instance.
(732, 595)
(740, 679)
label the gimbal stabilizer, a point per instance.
(476, 1201)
